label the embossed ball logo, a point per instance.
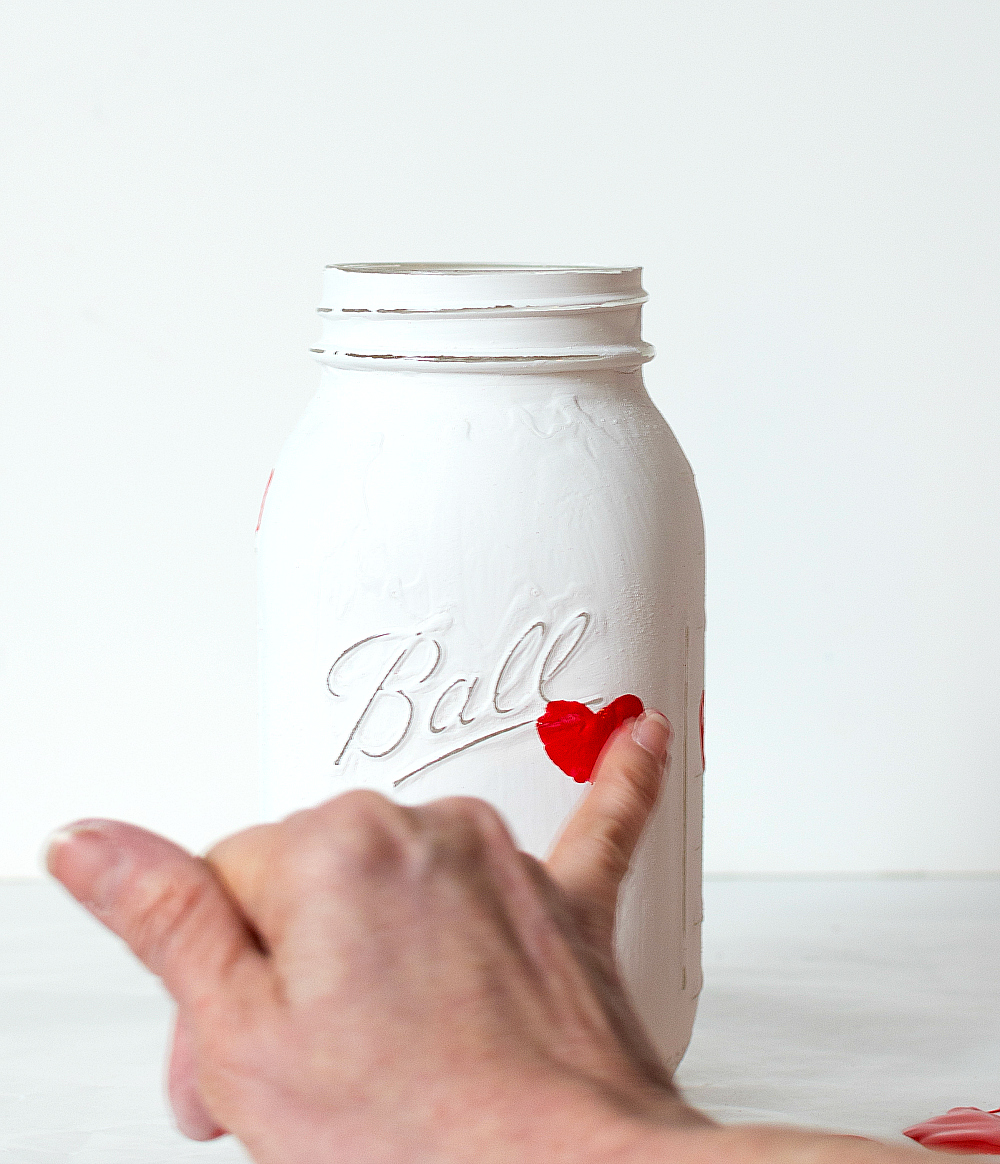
(573, 736)
(406, 701)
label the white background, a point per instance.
(813, 192)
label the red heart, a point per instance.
(573, 735)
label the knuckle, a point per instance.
(475, 814)
(358, 833)
(642, 780)
(360, 803)
(162, 915)
(359, 811)
(238, 844)
(626, 806)
(611, 855)
(456, 832)
(476, 826)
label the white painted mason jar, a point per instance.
(481, 512)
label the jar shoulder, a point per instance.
(611, 421)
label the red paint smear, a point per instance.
(701, 728)
(573, 735)
(963, 1130)
(260, 516)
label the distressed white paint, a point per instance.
(482, 510)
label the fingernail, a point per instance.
(652, 732)
(87, 862)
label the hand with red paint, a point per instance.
(376, 984)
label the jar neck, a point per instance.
(478, 318)
(490, 386)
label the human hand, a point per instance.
(365, 981)
(369, 983)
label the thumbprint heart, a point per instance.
(573, 735)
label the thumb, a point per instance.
(593, 853)
(166, 904)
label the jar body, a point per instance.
(443, 552)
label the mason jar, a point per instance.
(480, 513)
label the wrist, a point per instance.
(569, 1121)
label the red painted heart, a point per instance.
(573, 735)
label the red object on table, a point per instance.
(965, 1130)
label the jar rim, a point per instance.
(474, 316)
(473, 269)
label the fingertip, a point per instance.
(83, 857)
(637, 758)
(54, 842)
(653, 733)
(52, 846)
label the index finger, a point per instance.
(593, 853)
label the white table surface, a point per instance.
(857, 1005)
